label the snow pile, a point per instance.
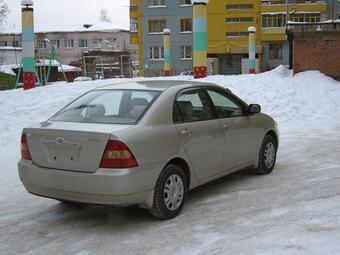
(307, 101)
(294, 101)
(295, 210)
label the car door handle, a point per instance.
(186, 132)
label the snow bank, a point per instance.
(307, 101)
(295, 210)
(309, 98)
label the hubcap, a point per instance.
(269, 155)
(173, 192)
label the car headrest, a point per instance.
(139, 101)
(186, 108)
(95, 111)
(137, 111)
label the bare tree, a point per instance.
(104, 16)
(3, 11)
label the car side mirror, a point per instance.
(254, 108)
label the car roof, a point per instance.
(157, 85)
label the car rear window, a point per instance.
(108, 106)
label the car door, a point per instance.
(200, 132)
(240, 129)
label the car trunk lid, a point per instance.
(69, 146)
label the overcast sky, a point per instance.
(71, 11)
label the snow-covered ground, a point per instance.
(295, 210)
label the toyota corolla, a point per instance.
(145, 143)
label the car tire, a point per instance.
(267, 156)
(170, 193)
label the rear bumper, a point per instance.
(107, 187)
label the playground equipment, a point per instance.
(43, 66)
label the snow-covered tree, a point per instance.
(104, 16)
(3, 11)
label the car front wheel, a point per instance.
(170, 193)
(267, 157)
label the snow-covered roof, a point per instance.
(336, 21)
(295, 12)
(199, 1)
(66, 68)
(10, 48)
(63, 28)
(8, 69)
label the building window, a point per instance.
(3, 43)
(97, 43)
(41, 44)
(239, 20)
(185, 2)
(273, 20)
(133, 25)
(186, 25)
(69, 43)
(338, 16)
(275, 51)
(55, 44)
(15, 43)
(271, 2)
(158, 3)
(306, 17)
(186, 52)
(234, 34)
(157, 53)
(157, 26)
(82, 43)
(111, 43)
(239, 6)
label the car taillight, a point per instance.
(25, 151)
(117, 155)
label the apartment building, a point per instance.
(72, 41)
(228, 22)
(148, 20)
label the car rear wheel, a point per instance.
(170, 193)
(267, 157)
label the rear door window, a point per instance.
(108, 106)
(192, 105)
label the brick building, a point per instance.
(317, 47)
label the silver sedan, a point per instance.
(145, 143)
